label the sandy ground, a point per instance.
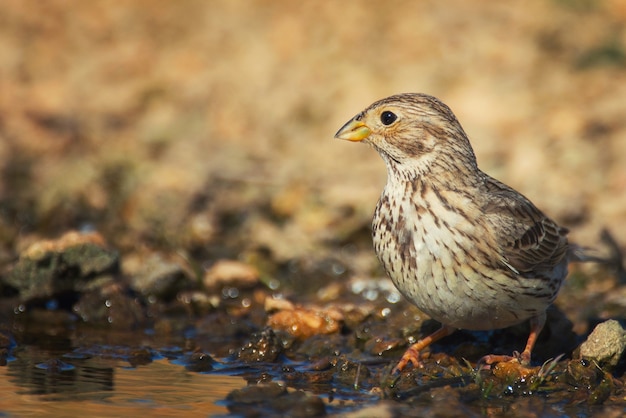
(138, 118)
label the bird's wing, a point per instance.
(531, 244)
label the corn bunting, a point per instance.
(466, 249)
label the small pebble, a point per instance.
(605, 344)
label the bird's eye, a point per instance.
(387, 117)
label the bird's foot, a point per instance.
(411, 355)
(523, 359)
(509, 368)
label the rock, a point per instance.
(73, 263)
(112, 306)
(302, 322)
(231, 273)
(350, 373)
(605, 344)
(273, 304)
(263, 346)
(273, 399)
(157, 275)
(582, 374)
(199, 362)
(257, 394)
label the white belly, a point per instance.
(439, 269)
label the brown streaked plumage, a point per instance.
(465, 248)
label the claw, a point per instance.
(491, 359)
(412, 354)
(536, 325)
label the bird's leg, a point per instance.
(536, 325)
(412, 354)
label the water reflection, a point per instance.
(58, 380)
(32, 385)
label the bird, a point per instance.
(465, 248)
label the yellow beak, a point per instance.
(354, 130)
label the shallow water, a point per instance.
(72, 371)
(111, 389)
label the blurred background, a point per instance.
(208, 125)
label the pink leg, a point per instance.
(536, 325)
(412, 354)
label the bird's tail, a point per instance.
(614, 259)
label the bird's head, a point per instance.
(413, 133)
